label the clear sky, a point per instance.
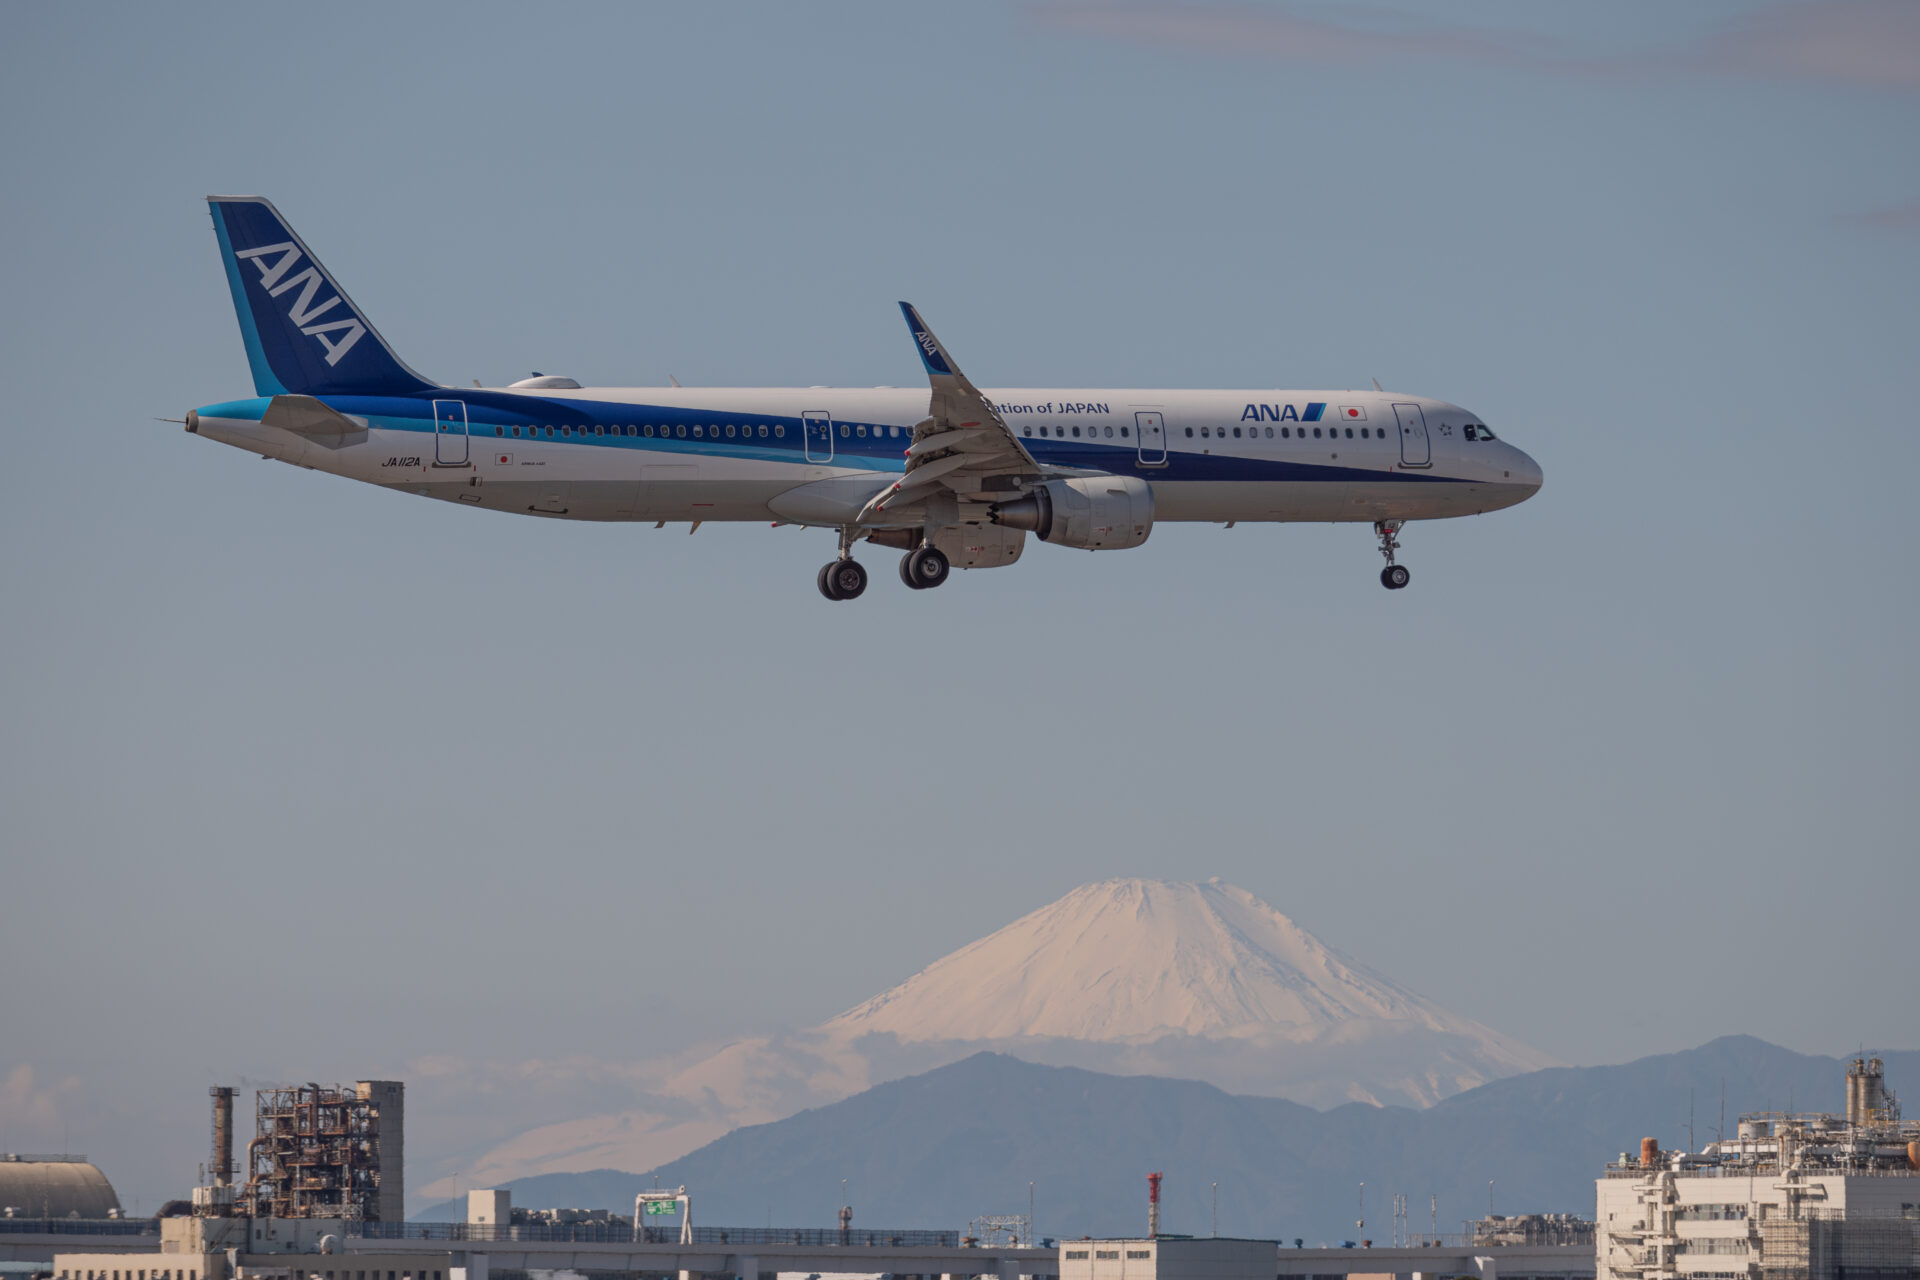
(304, 780)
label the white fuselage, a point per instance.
(699, 454)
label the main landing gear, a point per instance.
(924, 567)
(844, 578)
(1394, 576)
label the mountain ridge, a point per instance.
(939, 1148)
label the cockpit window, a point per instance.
(1478, 431)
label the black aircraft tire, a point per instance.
(1394, 577)
(849, 579)
(929, 567)
(826, 584)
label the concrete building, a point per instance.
(248, 1249)
(1804, 1196)
(1167, 1258)
(491, 1208)
(54, 1187)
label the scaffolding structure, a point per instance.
(316, 1153)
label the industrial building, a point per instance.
(201, 1248)
(1791, 1196)
(321, 1151)
(54, 1187)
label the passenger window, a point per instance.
(598, 430)
(549, 433)
(779, 430)
(1286, 433)
(843, 431)
(1189, 433)
(1349, 433)
(499, 431)
(1316, 433)
(648, 429)
(763, 431)
(681, 431)
(1123, 433)
(1109, 433)
(1236, 433)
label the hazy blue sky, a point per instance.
(301, 779)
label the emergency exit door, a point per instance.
(1152, 430)
(450, 433)
(1415, 449)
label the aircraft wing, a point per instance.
(963, 445)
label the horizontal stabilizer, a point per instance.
(309, 417)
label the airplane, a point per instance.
(949, 475)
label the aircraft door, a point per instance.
(1152, 430)
(1415, 449)
(450, 433)
(818, 427)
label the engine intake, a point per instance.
(1103, 513)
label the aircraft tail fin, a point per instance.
(304, 335)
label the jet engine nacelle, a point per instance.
(1103, 513)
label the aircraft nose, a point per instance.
(1526, 471)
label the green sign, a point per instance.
(657, 1207)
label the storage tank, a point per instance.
(55, 1187)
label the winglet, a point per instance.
(932, 354)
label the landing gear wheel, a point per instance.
(926, 568)
(848, 578)
(826, 587)
(1394, 577)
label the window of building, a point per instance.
(1076, 1255)
(1106, 1254)
(1139, 1253)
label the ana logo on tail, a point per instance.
(305, 311)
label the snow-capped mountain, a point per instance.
(1194, 981)
(1131, 961)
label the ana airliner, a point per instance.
(948, 474)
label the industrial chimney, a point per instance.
(222, 1171)
(1866, 1092)
(1153, 1205)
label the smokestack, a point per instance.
(1153, 1205)
(222, 1171)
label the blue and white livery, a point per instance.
(949, 475)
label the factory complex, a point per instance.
(320, 1193)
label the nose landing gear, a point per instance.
(1394, 576)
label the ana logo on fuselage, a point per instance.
(1283, 413)
(305, 311)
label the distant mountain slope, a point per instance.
(940, 1148)
(1131, 977)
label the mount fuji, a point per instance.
(1130, 977)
